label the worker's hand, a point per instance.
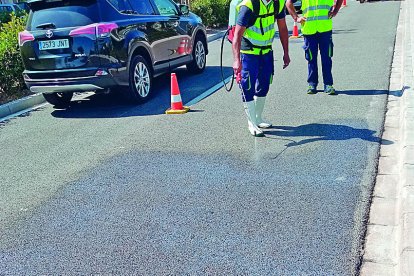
(286, 60)
(301, 20)
(237, 67)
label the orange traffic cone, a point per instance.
(184, 47)
(295, 32)
(177, 106)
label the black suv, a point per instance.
(96, 45)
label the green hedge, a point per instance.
(6, 16)
(215, 13)
(11, 80)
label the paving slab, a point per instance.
(380, 244)
(409, 101)
(408, 175)
(408, 155)
(391, 135)
(408, 232)
(409, 136)
(388, 165)
(370, 269)
(389, 149)
(393, 121)
(386, 186)
(407, 269)
(383, 212)
(409, 123)
(407, 205)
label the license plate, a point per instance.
(54, 44)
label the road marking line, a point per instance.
(216, 36)
(212, 90)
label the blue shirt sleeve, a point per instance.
(282, 14)
(244, 17)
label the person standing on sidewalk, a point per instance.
(253, 54)
(316, 23)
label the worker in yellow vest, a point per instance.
(253, 54)
(316, 22)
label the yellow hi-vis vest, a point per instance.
(258, 38)
(316, 13)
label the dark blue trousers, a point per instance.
(257, 75)
(323, 42)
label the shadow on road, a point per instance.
(397, 93)
(114, 106)
(324, 132)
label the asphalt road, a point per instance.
(107, 188)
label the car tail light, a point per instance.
(101, 72)
(98, 29)
(24, 37)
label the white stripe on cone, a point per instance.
(175, 98)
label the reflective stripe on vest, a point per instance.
(319, 7)
(314, 18)
(317, 16)
(261, 43)
(259, 31)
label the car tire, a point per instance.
(60, 100)
(140, 80)
(198, 64)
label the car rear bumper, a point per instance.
(70, 84)
(64, 88)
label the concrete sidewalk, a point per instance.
(389, 246)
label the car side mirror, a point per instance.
(184, 9)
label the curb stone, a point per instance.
(20, 105)
(30, 102)
(389, 244)
(379, 248)
(378, 269)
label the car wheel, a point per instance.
(140, 80)
(198, 64)
(59, 99)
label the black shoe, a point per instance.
(330, 90)
(311, 90)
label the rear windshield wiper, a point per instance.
(46, 26)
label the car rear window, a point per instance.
(66, 13)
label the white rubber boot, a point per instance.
(250, 109)
(260, 103)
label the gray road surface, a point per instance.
(106, 188)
